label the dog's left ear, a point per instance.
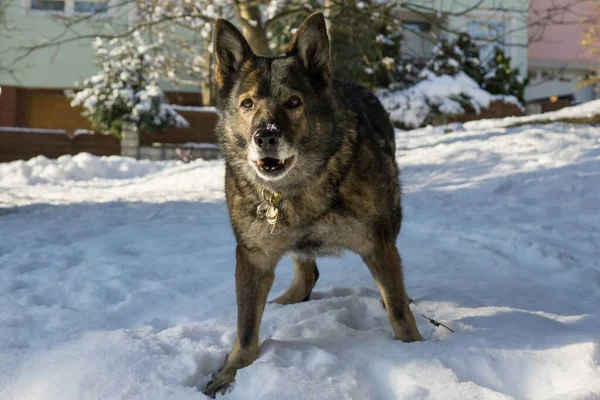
(311, 46)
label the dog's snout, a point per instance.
(266, 138)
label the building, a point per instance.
(501, 23)
(557, 62)
(33, 96)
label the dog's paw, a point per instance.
(219, 384)
(409, 333)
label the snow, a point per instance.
(121, 285)
(453, 63)
(30, 130)
(273, 9)
(81, 167)
(78, 132)
(582, 111)
(412, 107)
(199, 145)
(178, 107)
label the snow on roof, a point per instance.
(178, 107)
(30, 130)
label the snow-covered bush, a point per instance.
(126, 89)
(449, 57)
(462, 55)
(501, 78)
(452, 82)
(446, 94)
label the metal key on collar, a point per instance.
(269, 208)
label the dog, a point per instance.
(310, 170)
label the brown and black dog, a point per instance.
(310, 170)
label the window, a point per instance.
(417, 27)
(70, 7)
(490, 34)
(48, 5)
(90, 7)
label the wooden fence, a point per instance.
(497, 109)
(201, 130)
(25, 143)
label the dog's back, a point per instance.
(372, 117)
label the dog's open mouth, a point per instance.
(269, 164)
(272, 169)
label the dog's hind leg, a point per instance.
(386, 267)
(306, 275)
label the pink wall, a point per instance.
(558, 41)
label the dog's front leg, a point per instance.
(254, 274)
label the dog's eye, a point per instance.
(247, 104)
(293, 102)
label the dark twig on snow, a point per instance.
(436, 323)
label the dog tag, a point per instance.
(262, 209)
(275, 199)
(272, 215)
(269, 209)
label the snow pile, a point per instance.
(448, 95)
(80, 167)
(124, 289)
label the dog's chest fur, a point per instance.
(309, 225)
(329, 235)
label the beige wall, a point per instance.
(560, 39)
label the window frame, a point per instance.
(420, 24)
(69, 9)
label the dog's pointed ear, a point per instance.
(311, 46)
(230, 50)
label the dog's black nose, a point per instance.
(266, 138)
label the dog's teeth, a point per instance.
(280, 162)
(260, 163)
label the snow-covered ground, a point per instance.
(119, 283)
(588, 110)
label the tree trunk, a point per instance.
(328, 12)
(208, 83)
(253, 28)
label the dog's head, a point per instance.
(276, 112)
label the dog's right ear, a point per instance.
(310, 45)
(230, 50)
